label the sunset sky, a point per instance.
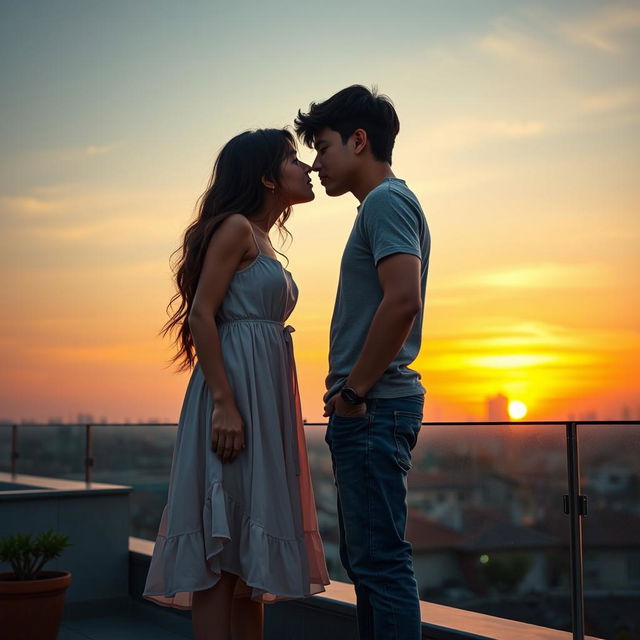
(519, 133)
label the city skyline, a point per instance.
(519, 133)
(621, 413)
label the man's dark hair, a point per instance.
(353, 108)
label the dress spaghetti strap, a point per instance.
(255, 239)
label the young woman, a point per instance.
(240, 526)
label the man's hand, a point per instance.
(328, 406)
(337, 405)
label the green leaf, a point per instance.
(27, 556)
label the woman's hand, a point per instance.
(227, 431)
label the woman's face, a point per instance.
(295, 184)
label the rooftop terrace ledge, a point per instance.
(24, 487)
(332, 614)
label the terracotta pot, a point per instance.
(32, 609)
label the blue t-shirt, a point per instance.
(390, 220)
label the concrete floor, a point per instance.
(116, 627)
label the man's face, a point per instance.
(335, 162)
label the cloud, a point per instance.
(131, 353)
(509, 40)
(94, 150)
(534, 276)
(27, 205)
(58, 205)
(57, 157)
(528, 36)
(464, 132)
(498, 333)
(558, 60)
(80, 225)
(513, 360)
(604, 29)
(612, 100)
(535, 36)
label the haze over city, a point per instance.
(519, 134)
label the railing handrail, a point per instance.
(482, 423)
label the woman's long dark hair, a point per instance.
(235, 187)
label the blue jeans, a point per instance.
(371, 456)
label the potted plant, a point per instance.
(32, 600)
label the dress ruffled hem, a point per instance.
(193, 561)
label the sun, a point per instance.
(517, 410)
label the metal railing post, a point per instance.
(88, 456)
(14, 449)
(575, 507)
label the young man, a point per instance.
(373, 398)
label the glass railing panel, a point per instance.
(55, 451)
(490, 534)
(5, 447)
(138, 456)
(610, 476)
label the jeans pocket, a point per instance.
(340, 423)
(406, 428)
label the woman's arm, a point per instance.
(229, 245)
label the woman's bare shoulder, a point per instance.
(236, 225)
(233, 233)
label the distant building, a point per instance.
(444, 497)
(610, 479)
(454, 564)
(498, 408)
(611, 548)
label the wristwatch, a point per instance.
(350, 396)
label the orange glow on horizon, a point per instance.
(108, 359)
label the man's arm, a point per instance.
(399, 277)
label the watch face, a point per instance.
(350, 396)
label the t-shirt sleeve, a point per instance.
(391, 225)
